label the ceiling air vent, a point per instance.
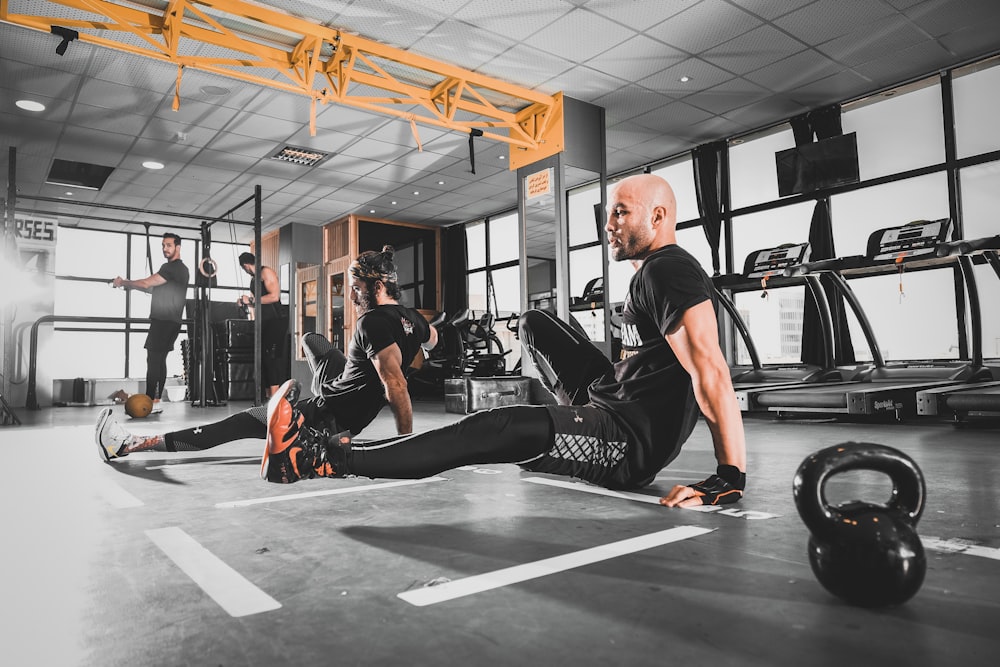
(78, 174)
(304, 156)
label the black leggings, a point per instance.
(568, 363)
(516, 434)
(246, 424)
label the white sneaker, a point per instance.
(110, 436)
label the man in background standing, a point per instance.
(273, 316)
(168, 287)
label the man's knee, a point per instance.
(532, 321)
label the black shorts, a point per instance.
(162, 335)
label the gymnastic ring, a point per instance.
(207, 267)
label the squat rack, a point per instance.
(204, 230)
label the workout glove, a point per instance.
(723, 488)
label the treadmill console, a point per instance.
(915, 239)
(773, 261)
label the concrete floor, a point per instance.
(190, 559)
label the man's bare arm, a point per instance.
(145, 284)
(696, 343)
(389, 365)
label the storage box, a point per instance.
(466, 395)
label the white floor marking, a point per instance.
(422, 597)
(329, 492)
(960, 546)
(183, 462)
(118, 497)
(230, 589)
(750, 515)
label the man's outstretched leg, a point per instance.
(114, 441)
(295, 450)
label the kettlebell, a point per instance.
(868, 555)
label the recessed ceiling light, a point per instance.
(151, 164)
(69, 193)
(736, 142)
(214, 91)
(501, 157)
(416, 192)
(371, 210)
(30, 105)
(685, 79)
(440, 182)
(393, 203)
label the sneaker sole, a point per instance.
(272, 408)
(102, 421)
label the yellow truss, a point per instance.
(324, 64)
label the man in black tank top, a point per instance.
(275, 355)
(350, 389)
(616, 424)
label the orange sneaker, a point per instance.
(294, 450)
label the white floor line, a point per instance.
(596, 490)
(184, 462)
(230, 589)
(116, 496)
(730, 511)
(960, 546)
(451, 590)
(329, 492)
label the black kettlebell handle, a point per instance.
(809, 484)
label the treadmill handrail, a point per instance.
(823, 265)
(967, 246)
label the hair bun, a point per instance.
(388, 250)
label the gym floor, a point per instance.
(190, 559)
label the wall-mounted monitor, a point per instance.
(819, 165)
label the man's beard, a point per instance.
(363, 301)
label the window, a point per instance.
(898, 132)
(855, 215)
(753, 174)
(976, 92)
(980, 199)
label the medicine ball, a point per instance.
(138, 406)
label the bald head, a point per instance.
(642, 216)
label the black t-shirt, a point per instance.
(358, 395)
(651, 393)
(168, 298)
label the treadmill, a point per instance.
(762, 269)
(978, 399)
(884, 390)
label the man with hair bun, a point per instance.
(350, 389)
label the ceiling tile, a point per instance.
(579, 35)
(636, 58)
(704, 25)
(770, 9)
(820, 22)
(702, 76)
(874, 41)
(795, 71)
(516, 19)
(638, 16)
(730, 95)
(752, 50)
